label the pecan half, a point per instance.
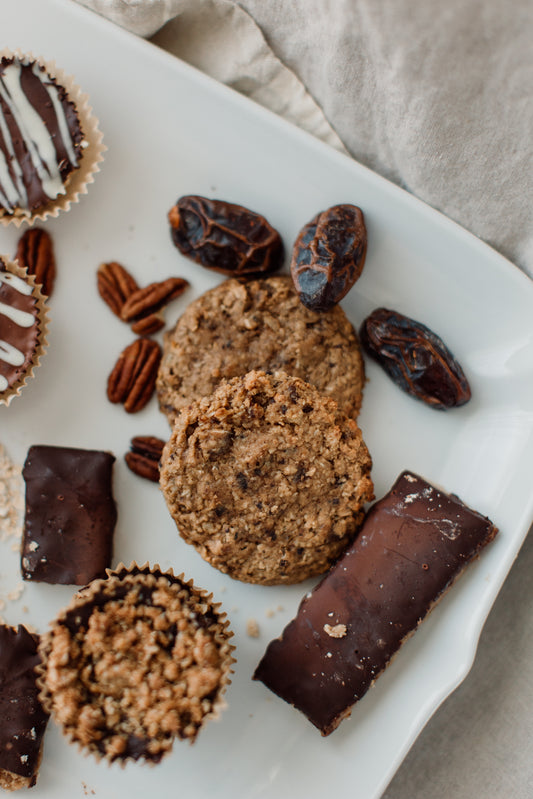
(115, 285)
(35, 250)
(143, 460)
(148, 324)
(132, 380)
(152, 298)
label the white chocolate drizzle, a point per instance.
(35, 135)
(11, 354)
(20, 318)
(52, 90)
(16, 283)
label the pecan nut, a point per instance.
(115, 285)
(415, 358)
(35, 250)
(132, 380)
(143, 460)
(328, 256)
(225, 237)
(147, 325)
(152, 298)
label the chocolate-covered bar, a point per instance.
(412, 545)
(23, 720)
(70, 515)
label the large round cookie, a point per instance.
(267, 478)
(236, 327)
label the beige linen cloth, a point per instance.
(438, 97)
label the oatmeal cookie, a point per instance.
(267, 478)
(135, 661)
(235, 328)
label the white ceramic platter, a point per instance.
(172, 131)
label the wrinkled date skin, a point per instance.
(328, 256)
(225, 237)
(415, 358)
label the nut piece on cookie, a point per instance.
(267, 478)
(235, 328)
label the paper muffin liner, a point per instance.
(93, 148)
(15, 389)
(118, 578)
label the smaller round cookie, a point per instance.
(235, 328)
(267, 478)
(23, 323)
(135, 661)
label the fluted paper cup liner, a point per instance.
(137, 659)
(7, 394)
(77, 182)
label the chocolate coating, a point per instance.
(70, 515)
(23, 338)
(412, 545)
(23, 718)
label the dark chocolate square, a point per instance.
(23, 720)
(70, 515)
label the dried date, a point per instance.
(415, 358)
(328, 256)
(225, 237)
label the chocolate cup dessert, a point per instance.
(50, 144)
(135, 661)
(23, 324)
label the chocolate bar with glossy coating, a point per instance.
(70, 515)
(411, 546)
(23, 720)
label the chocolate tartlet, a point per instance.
(49, 140)
(135, 661)
(23, 718)
(22, 328)
(41, 136)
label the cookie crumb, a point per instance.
(16, 593)
(338, 631)
(252, 628)
(11, 497)
(269, 613)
